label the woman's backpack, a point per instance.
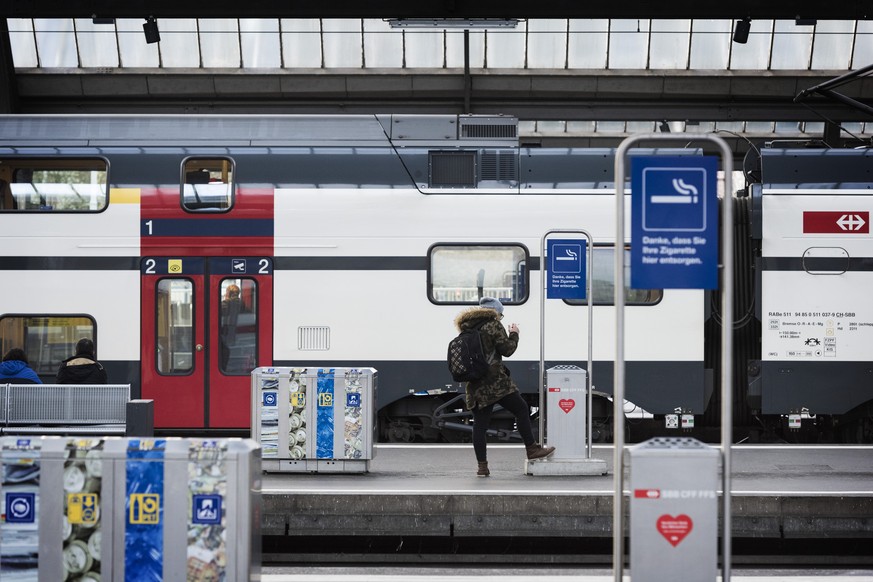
(466, 356)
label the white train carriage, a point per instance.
(351, 241)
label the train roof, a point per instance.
(257, 130)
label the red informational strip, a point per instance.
(836, 222)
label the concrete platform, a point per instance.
(431, 490)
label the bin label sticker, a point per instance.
(674, 529)
(207, 555)
(19, 532)
(567, 404)
(207, 509)
(271, 398)
(145, 508)
(144, 492)
(324, 417)
(20, 507)
(82, 508)
(353, 399)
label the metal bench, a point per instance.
(71, 409)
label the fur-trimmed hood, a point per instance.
(470, 317)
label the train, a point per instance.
(193, 249)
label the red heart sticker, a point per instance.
(567, 404)
(674, 529)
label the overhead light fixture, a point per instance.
(741, 30)
(465, 23)
(96, 20)
(150, 28)
(805, 21)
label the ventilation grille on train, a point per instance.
(313, 338)
(498, 165)
(452, 169)
(467, 169)
(488, 128)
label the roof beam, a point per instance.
(755, 9)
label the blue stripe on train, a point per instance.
(151, 227)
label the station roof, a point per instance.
(590, 80)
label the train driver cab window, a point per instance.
(604, 282)
(55, 184)
(46, 339)
(174, 327)
(207, 184)
(462, 273)
(238, 327)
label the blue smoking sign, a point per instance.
(566, 269)
(674, 222)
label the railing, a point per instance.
(64, 408)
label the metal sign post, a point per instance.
(589, 291)
(727, 310)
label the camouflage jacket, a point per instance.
(496, 342)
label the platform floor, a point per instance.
(777, 491)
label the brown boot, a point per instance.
(535, 451)
(483, 469)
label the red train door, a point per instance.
(206, 323)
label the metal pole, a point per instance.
(727, 302)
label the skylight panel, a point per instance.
(505, 48)
(832, 45)
(455, 49)
(97, 44)
(792, 46)
(23, 42)
(56, 42)
(259, 40)
(383, 49)
(342, 43)
(710, 44)
(587, 44)
(180, 42)
(219, 42)
(863, 54)
(628, 44)
(755, 54)
(670, 44)
(133, 50)
(301, 43)
(546, 44)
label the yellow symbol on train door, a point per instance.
(82, 508)
(174, 266)
(145, 508)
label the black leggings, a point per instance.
(515, 404)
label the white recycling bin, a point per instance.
(673, 510)
(314, 419)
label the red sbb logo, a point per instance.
(647, 493)
(827, 222)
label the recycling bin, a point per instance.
(118, 509)
(314, 419)
(673, 510)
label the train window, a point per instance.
(462, 273)
(603, 284)
(59, 185)
(175, 331)
(238, 327)
(207, 184)
(46, 339)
